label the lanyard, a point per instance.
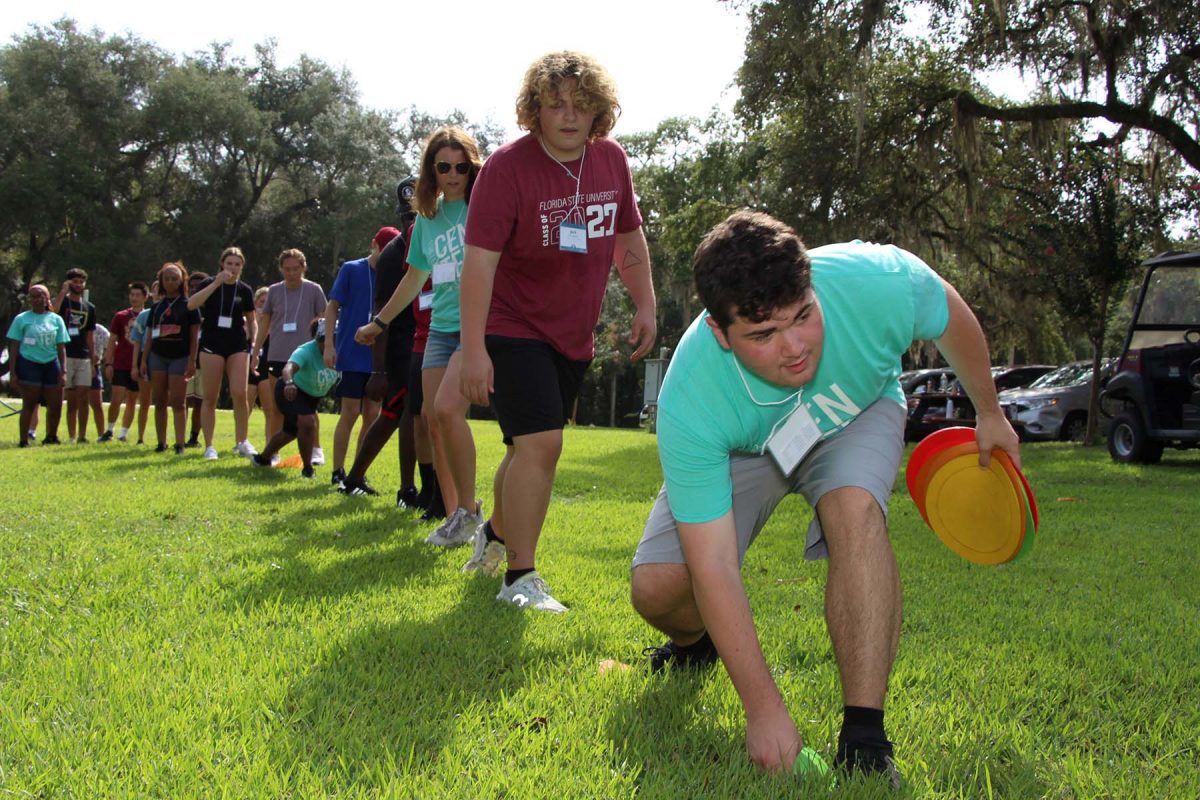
(298, 302)
(797, 396)
(566, 169)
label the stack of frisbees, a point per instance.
(987, 516)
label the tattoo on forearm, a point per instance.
(631, 261)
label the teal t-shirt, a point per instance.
(311, 375)
(875, 300)
(39, 335)
(438, 247)
(137, 331)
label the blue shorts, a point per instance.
(353, 385)
(439, 347)
(171, 366)
(35, 374)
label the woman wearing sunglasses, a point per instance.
(448, 169)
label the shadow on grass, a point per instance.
(624, 473)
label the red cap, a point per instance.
(384, 236)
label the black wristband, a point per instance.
(382, 325)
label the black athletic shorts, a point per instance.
(353, 385)
(276, 368)
(259, 375)
(416, 390)
(536, 385)
(303, 405)
(225, 343)
(397, 388)
(124, 377)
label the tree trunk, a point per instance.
(612, 401)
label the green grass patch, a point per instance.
(171, 627)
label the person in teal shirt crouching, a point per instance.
(304, 380)
(37, 341)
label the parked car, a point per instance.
(916, 381)
(1054, 406)
(1017, 377)
(1154, 397)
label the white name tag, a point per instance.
(156, 332)
(572, 237)
(29, 340)
(445, 272)
(424, 301)
(791, 443)
(73, 331)
(289, 327)
(224, 322)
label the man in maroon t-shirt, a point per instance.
(118, 362)
(550, 214)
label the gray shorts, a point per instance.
(79, 373)
(866, 453)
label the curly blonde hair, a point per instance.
(595, 91)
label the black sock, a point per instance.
(511, 576)
(490, 533)
(861, 728)
(426, 473)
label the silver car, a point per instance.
(1054, 406)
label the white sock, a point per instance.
(124, 432)
(111, 425)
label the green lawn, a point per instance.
(176, 628)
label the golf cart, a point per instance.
(1154, 396)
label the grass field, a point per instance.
(176, 628)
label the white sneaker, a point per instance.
(486, 557)
(275, 459)
(210, 454)
(245, 449)
(458, 528)
(318, 457)
(530, 591)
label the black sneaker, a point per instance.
(259, 461)
(868, 758)
(701, 653)
(306, 472)
(179, 449)
(105, 437)
(140, 442)
(337, 477)
(162, 448)
(190, 443)
(357, 487)
(51, 440)
(22, 443)
(436, 509)
(407, 497)
(81, 440)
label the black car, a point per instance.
(1154, 397)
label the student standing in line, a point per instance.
(258, 370)
(551, 214)
(291, 305)
(170, 358)
(228, 327)
(118, 363)
(37, 341)
(449, 165)
(139, 337)
(351, 303)
(195, 385)
(82, 356)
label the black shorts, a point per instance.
(276, 368)
(224, 344)
(304, 405)
(124, 377)
(353, 385)
(259, 375)
(397, 389)
(536, 386)
(416, 390)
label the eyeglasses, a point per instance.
(444, 167)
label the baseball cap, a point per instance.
(385, 235)
(404, 194)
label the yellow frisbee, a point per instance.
(977, 513)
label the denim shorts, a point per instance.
(439, 347)
(38, 374)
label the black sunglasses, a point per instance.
(462, 167)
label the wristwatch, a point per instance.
(382, 325)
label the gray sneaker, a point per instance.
(458, 528)
(531, 592)
(486, 557)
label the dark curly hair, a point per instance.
(750, 265)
